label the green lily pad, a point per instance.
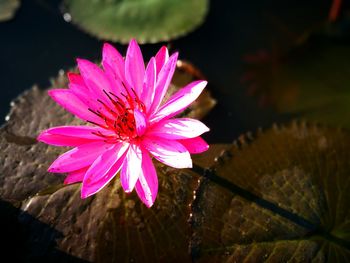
(283, 197)
(311, 81)
(8, 9)
(148, 21)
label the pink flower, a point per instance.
(124, 102)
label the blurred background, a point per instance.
(232, 45)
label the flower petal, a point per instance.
(179, 101)
(169, 152)
(76, 176)
(149, 84)
(79, 157)
(131, 168)
(161, 58)
(95, 79)
(71, 135)
(147, 184)
(73, 104)
(195, 145)
(84, 94)
(140, 122)
(163, 81)
(113, 62)
(134, 67)
(104, 168)
(175, 129)
(75, 78)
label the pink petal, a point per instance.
(73, 104)
(179, 101)
(195, 145)
(163, 81)
(161, 58)
(149, 84)
(84, 94)
(103, 170)
(80, 90)
(140, 122)
(78, 87)
(131, 168)
(58, 140)
(95, 79)
(134, 67)
(75, 176)
(75, 78)
(169, 152)
(147, 184)
(174, 129)
(71, 135)
(113, 62)
(79, 157)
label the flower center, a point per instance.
(120, 117)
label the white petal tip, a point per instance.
(149, 205)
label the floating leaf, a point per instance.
(311, 81)
(283, 197)
(147, 21)
(8, 9)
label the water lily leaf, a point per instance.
(8, 9)
(283, 197)
(23, 169)
(310, 81)
(147, 21)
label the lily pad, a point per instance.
(8, 9)
(283, 197)
(148, 21)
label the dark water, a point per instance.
(38, 43)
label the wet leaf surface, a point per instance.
(146, 21)
(282, 197)
(24, 162)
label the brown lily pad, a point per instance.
(282, 196)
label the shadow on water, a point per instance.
(25, 239)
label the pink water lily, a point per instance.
(129, 122)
